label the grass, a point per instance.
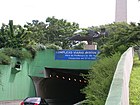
(134, 85)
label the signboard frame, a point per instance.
(76, 54)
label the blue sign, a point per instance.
(76, 54)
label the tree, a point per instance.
(37, 31)
(116, 41)
(120, 37)
(59, 30)
(13, 36)
(54, 31)
(134, 34)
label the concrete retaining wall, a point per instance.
(119, 90)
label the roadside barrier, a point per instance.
(119, 90)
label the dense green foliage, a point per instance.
(13, 36)
(54, 31)
(53, 46)
(99, 80)
(4, 59)
(35, 36)
(120, 37)
(54, 34)
(20, 54)
(134, 84)
(6, 53)
(57, 31)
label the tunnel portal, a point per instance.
(60, 86)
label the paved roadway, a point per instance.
(16, 102)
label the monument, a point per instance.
(121, 11)
(90, 37)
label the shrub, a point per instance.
(99, 80)
(8, 51)
(4, 59)
(79, 46)
(32, 49)
(21, 54)
(53, 46)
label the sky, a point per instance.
(84, 12)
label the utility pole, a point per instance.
(121, 11)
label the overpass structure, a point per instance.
(54, 75)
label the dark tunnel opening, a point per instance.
(60, 88)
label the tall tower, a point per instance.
(121, 11)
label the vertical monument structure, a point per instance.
(121, 11)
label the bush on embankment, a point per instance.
(99, 80)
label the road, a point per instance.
(16, 102)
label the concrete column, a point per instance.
(37, 82)
(121, 11)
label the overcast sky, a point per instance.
(85, 12)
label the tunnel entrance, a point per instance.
(60, 86)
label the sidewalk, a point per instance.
(14, 102)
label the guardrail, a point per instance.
(119, 90)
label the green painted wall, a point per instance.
(46, 58)
(15, 85)
(18, 85)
